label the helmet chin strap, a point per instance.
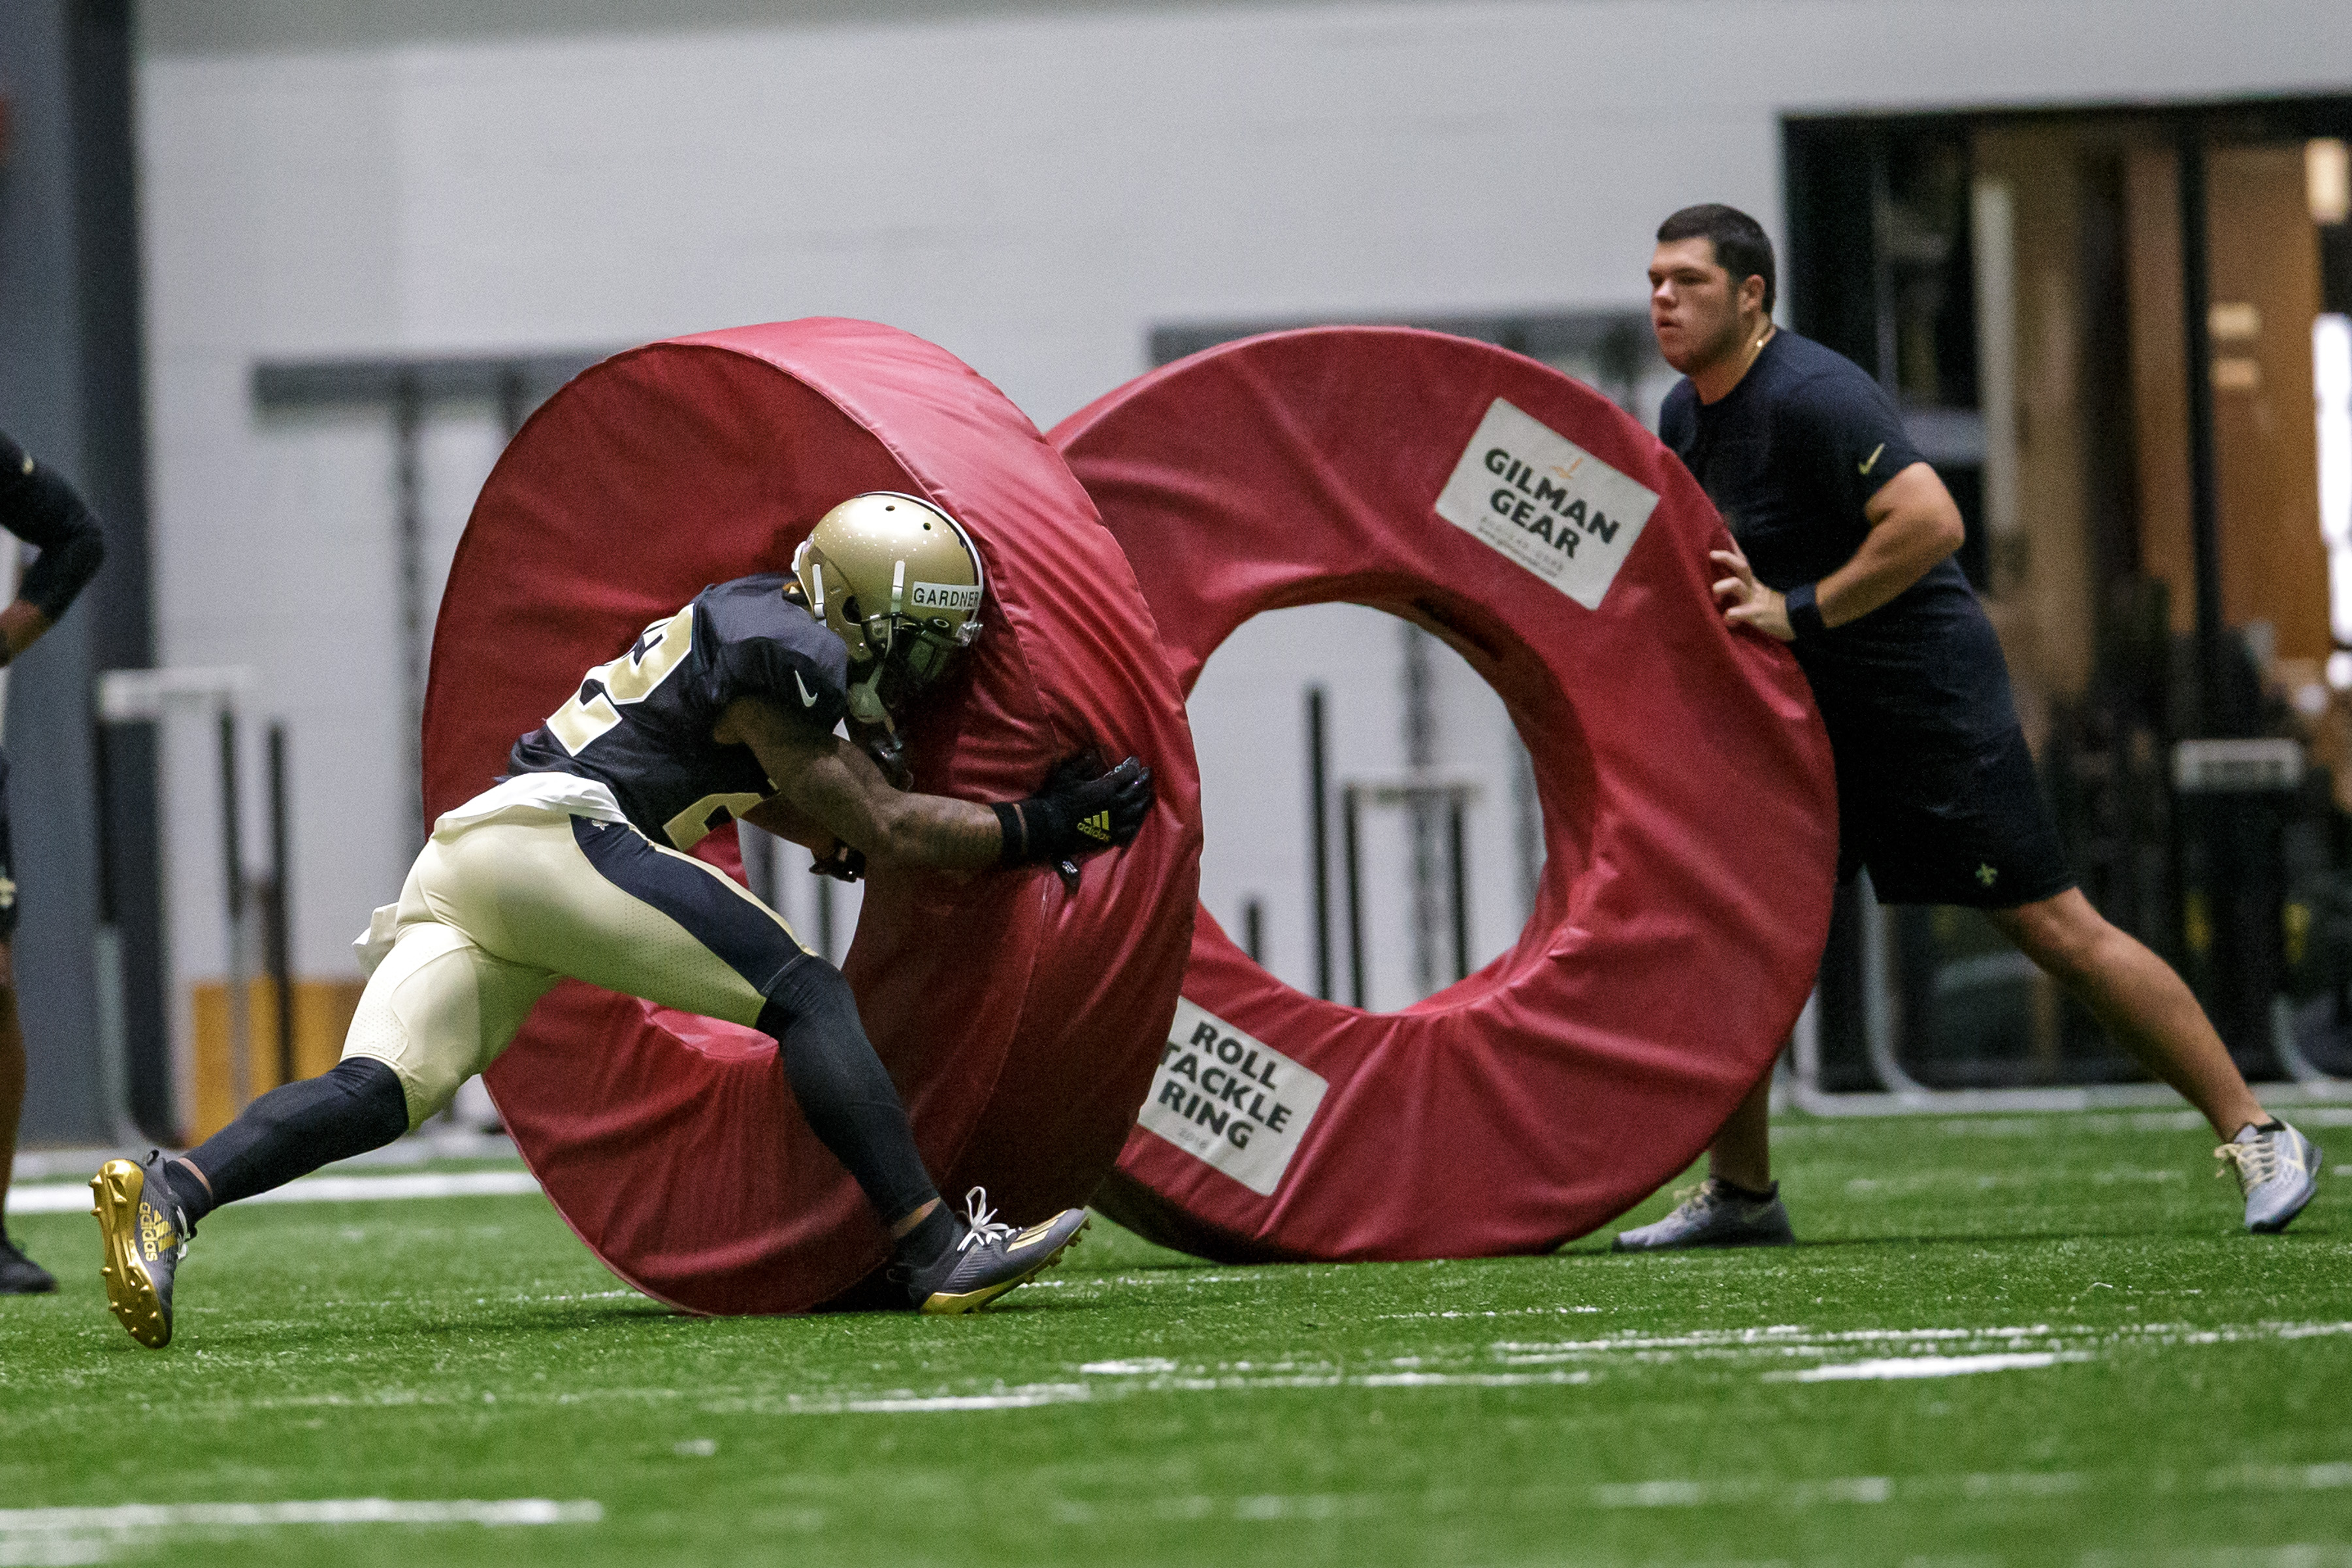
(866, 700)
(888, 752)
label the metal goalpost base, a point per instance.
(1797, 1080)
(258, 936)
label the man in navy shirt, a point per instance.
(39, 507)
(1842, 548)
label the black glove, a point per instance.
(1077, 815)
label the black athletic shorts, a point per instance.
(7, 861)
(1949, 824)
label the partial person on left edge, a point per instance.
(39, 507)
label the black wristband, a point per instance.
(1015, 829)
(1804, 615)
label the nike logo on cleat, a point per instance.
(1096, 827)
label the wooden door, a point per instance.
(2264, 261)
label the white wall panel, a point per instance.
(1034, 189)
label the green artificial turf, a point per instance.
(1139, 1407)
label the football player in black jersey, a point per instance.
(39, 507)
(575, 865)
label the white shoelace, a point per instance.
(984, 1225)
(2256, 1162)
(1707, 1194)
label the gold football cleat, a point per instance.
(142, 1236)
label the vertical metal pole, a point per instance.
(113, 1032)
(511, 410)
(1882, 270)
(1318, 840)
(1350, 814)
(240, 959)
(1877, 1006)
(408, 524)
(277, 943)
(1456, 864)
(1254, 930)
(825, 919)
(2204, 481)
(1527, 827)
(1418, 677)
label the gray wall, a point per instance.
(1033, 187)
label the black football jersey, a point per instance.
(641, 724)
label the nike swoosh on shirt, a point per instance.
(808, 698)
(1871, 461)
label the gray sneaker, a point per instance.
(1713, 1215)
(2278, 1170)
(990, 1258)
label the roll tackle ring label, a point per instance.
(1229, 1099)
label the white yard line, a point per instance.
(1722, 1491)
(1906, 1366)
(1728, 1491)
(912, 1403)
(1792, 1339)
(69, 1197)
(1511, 1364)
(50, 1537)
(330, 1510)
(19, 1525)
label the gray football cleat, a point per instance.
(1713, 1215)
(2278, 1170)
(990, 1259)
(143, 1234)
(20, 1275)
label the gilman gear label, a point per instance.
(1233, 1101)
(1547, 503)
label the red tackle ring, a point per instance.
(1689, 825)
(1020, 1021)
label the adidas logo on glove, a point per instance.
(1096, 828)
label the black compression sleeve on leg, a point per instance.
(352, 1107)
(850, 1102)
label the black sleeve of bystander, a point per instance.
(39, 507)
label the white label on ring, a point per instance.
(1230, 1100)
(1537, 497)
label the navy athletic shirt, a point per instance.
(1790, 456)
(39, 508)
(641, 724)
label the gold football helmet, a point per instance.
(899, 582)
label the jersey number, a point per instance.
(628, 679)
